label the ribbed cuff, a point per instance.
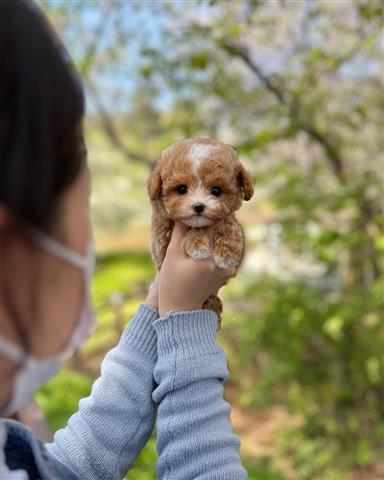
(187, 334)
(140, 333)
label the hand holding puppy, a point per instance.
(183, 283)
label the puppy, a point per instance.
(200, 182)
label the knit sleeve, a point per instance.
(195, 439)
(102, 440)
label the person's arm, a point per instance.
(195, 439)
(103, 439)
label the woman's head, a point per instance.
(44, 184)
(41, 109)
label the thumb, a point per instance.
(178, 234)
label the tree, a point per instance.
(297, 86)
(274, 72)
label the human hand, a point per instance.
(184, 283)
(153, 294)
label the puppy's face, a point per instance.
(200, 181)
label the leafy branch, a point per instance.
(295, 110)
(108, 121)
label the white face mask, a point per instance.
(34, 372)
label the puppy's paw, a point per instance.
(201, 254)
(223, 263)
(197, 246)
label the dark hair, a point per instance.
(41, 111)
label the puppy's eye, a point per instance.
(216, 191)
(182, 189)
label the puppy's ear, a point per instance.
(245, 181)
(154, 185)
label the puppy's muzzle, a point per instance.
(198, 208)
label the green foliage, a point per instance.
(59, 398)
(325, 363)
(262, 470)
(145, 466)
(120, 273)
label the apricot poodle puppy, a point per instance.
(201, 183)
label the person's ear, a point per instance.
(245, 180)
(154, 185)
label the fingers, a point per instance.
(178, 234)
(226, 275)
(154, 285)
(155, 282)
(220, 276)
(231, 272)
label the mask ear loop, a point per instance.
(11, 350)
(57, 249)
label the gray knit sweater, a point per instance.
(168, 371)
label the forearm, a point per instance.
(103, 439)
(195, 436)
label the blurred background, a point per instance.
(296, 87)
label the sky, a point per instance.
(142, 23)
(76, 22)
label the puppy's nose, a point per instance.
(198, 207)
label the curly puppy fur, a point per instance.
(200, 182)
